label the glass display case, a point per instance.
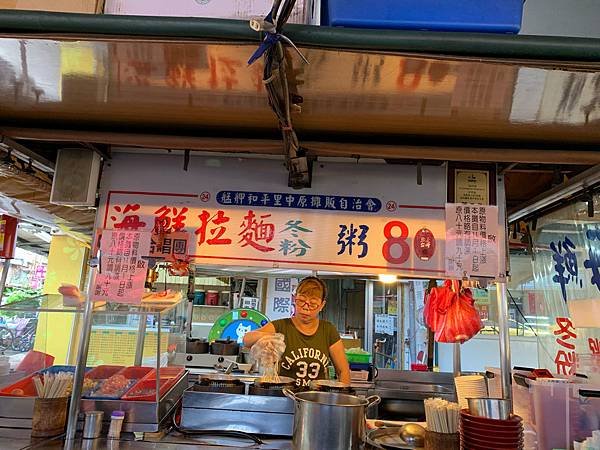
(130, 359)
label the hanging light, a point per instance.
(387, 278)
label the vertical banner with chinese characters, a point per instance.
(123, 269)
(356, 218)
(280, 297)
(566, 269)
(472, 244)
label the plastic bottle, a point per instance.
(116, 423)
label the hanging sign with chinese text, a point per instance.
(356, 218)
(472, 240)
(123, 271)
(566, 270)
(280, 297)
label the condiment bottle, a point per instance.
(116, 423)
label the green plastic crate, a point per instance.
(358, 358)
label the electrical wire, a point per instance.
(528, 324)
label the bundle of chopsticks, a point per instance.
(442, 416)
(53, 385)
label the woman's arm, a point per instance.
(251, 337)
(338, 356)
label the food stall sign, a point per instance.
(356, 218)
(472, 240)
(123, 269)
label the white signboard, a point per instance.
(123, 270)
(385, 324)
(250, 303)
(472, 240)
(280, 297)
(356, 218)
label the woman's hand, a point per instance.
(337, 352)
(252, 337)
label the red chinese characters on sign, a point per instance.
(181, 76)
(216, 232)
(424, 244)
(170, 219)
(123, 220)
(254, 231)
(565, 357)
(223, 69)
(594, 346)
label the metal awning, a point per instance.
(184, 83)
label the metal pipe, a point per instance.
(369, 316)
(82, 353)
(5, 267)
(139, 346)
(319, 148)
(575, 185)
(456, 359)
(503, 326)
(157, 387)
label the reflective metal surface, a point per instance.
(255, 414)
(200, 88)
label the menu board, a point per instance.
(472, 240)
(122, 268)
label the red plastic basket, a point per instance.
(145, 390)
(166, 373)
(24, 388)
(103, 372)
(135, 372)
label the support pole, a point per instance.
(456, 359)
(80, 365)
(505, 364)
(141, 339)
(5, 267)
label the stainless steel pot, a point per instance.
(329, 421)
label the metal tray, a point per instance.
(139, 416)
(388, 438)
(16, 413)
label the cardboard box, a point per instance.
(219, 9)
(65, 6)
(352, 343)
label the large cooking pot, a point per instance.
(225, 347)
(329, 421)
(196, 346)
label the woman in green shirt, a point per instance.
(311, 344)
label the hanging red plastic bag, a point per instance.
(461, 321)
(437, 302)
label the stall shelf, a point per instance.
(134, 342)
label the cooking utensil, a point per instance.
(197, 346)
(388, 438)
(413, 434)
(490, 408)
(225, 347)
(329, 420)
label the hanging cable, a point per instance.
(277, 86)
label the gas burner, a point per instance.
(331, 386)
(271, 388)
(225, 384)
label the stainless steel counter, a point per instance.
(171, 442)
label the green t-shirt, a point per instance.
(306, 358)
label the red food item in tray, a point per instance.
(114, 385)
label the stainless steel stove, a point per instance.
(257, 414)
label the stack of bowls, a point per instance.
(470, 386)
(482, 433)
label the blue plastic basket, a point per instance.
(490, 16)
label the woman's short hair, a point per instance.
(312, 286)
